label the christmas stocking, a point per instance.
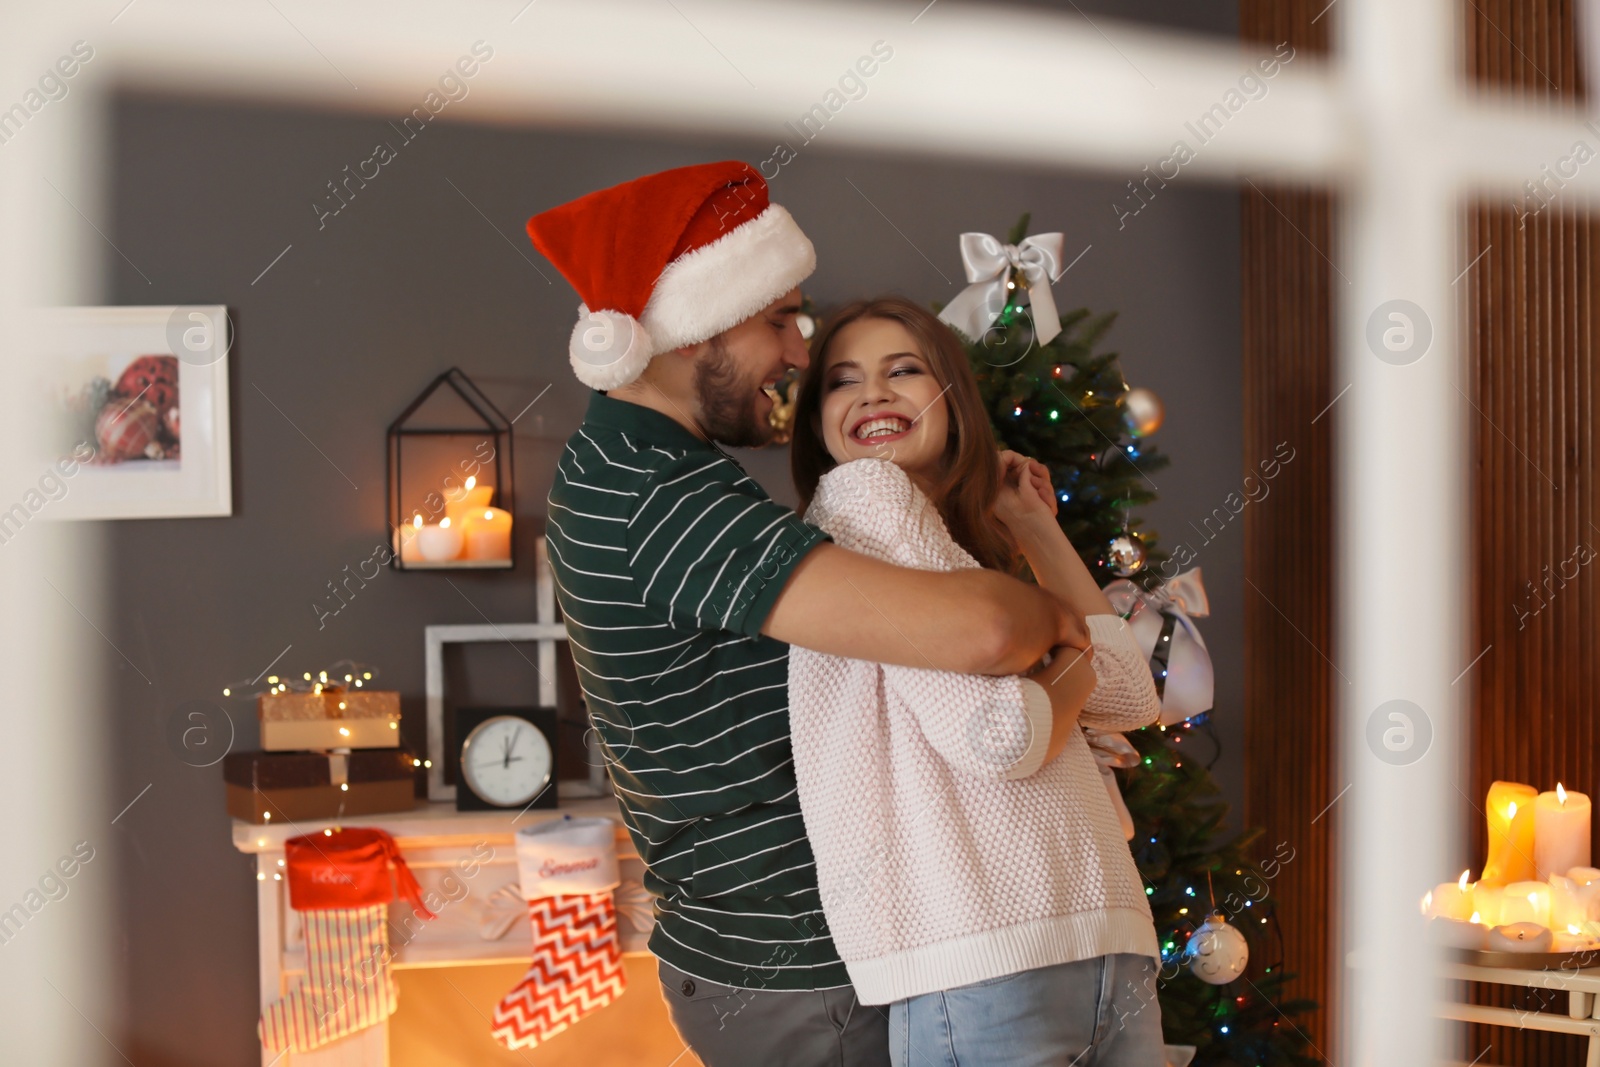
(341, 884)
(568, 869)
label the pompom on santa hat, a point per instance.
(668, 260)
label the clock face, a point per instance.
(506, 761)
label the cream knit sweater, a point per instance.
(945, 854)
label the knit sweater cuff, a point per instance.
(1107, 629)
(1036, 708)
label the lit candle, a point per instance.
(1587, 880)
(1526, 902)
(439, 543)
(1510, 812)
(470, 497)
(1449, 900)
(1487, 901)
(405, 540)
(1574, 938)
(1520, 937)
(1568, 904)
(1458, 933)
(488, 534)
(1560, 831)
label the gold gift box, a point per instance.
(332, 718)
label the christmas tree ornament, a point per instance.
(1217, 952)
(991, 267)
(1125, 554)
(1162, 621)
(568, 869)
(341, 883)
(783, 394)
(1142, 412)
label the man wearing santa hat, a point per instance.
(682, 584)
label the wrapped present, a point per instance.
(1163, 624)
(329, 717)
(266, 787)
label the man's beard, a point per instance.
(727, 405)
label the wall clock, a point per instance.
(506, 759)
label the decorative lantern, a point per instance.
(451, 480)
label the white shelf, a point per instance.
(431, 823)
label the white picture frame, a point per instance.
(82, 348)
(545, 633)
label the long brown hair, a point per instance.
(969, 477)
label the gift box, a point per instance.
(268, 787)
(331, 717)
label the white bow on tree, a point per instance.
(990, 266)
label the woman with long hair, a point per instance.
(974, 874)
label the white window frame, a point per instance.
(1385, 122)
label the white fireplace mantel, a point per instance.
(434, 839)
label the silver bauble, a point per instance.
(1125, 554)
(1142, 412)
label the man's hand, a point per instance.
(1072, 630)
(1068, 678)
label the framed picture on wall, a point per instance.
(137, 409)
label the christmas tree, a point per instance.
(1068, 406)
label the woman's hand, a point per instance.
(1025, 492)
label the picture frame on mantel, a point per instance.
(137, 410)
(544, 633)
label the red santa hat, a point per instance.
(668, 260)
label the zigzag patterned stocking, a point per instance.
(568, 869)
(577, 968)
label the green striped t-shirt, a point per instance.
(667, 559)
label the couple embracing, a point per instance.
(848, 745)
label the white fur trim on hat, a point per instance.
(608, 348)
(719, 285)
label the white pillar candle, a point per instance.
(1487, 902)
(1520, 937)
(468, 497)
(405, 540)
(1567, 904)
(1560, 831)
(488, 534)
(439, 543)
(1526, 902)
(1449, 900)
(1457, 933)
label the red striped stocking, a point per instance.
(348, 985)
(568, 869)
(340, 884)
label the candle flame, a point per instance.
(1427, 901)
(1571, 929)
(1561, 793)
(472, 480)
(489, 514)
(1463, 882)
(1533, 898)
(1476, 918)
(416, 522)
(1511, 810)
(444, 524)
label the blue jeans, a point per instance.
(1100, 1012)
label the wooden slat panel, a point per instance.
(1529, 311)
(1287, 338)
(1529, 306)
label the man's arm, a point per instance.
(971, 621)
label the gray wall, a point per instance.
(410, 278)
